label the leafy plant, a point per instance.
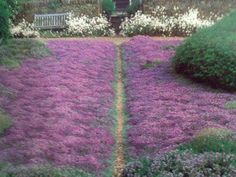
(5, 121)
(44, 171)
(212, 140)
(151, 64)
(230, 105)
(210, 55)
(4, 21)
(184, 163)
(108, 7)
(134, 7)
(12, 53)
(53, 5)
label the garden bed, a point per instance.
(61, 107)
(165, 109)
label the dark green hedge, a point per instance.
(4, 20)
(210, 55)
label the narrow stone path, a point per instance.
(119, 152)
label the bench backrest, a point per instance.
(50, 21)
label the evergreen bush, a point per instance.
(210, 55)
(4, 21)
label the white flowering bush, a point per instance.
(89, 26)
(24, 30)
(141, 24)
(162, 23)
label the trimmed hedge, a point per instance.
(210, 55)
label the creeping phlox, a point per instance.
(62, 110)
(162, 23)
(24, 30)
(166, 110)
(89, 26)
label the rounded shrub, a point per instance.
(108, 7)
(134, 7)
(210, 54)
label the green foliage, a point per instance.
(5, 121)
(13, 52)
(108, 7)
(230, 105)
(53, 5)
(151, 64)
(4, 21)
(210, 55)
(46, 171)
(212, 140)
(134, 7)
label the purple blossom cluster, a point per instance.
(165, 109)
(61, 109)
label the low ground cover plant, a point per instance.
(16, 50)
(209, 56)
(211, 153)
(61, 110)
(230, 105)
(7, 170)
(185, 164)
(212, 140)
(164, 111)
(5, 121)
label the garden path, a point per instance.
(119, 154)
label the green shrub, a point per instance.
(4, 21)
(54, 4)
(212, 140)
(16, 50)
(108, 7)
(5, 121)
(134, 7)
(210, 55)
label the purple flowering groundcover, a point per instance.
(61, 108)
(164, 109)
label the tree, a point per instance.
(4, 20)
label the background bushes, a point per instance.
(108, 7)
(210, 55)
(206, 7)
(4, 20)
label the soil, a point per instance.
(119, 153)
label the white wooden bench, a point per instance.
(50, 21)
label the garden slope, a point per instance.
(165, 110)
(61, 108)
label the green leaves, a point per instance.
(209, 55)
(4, 21)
